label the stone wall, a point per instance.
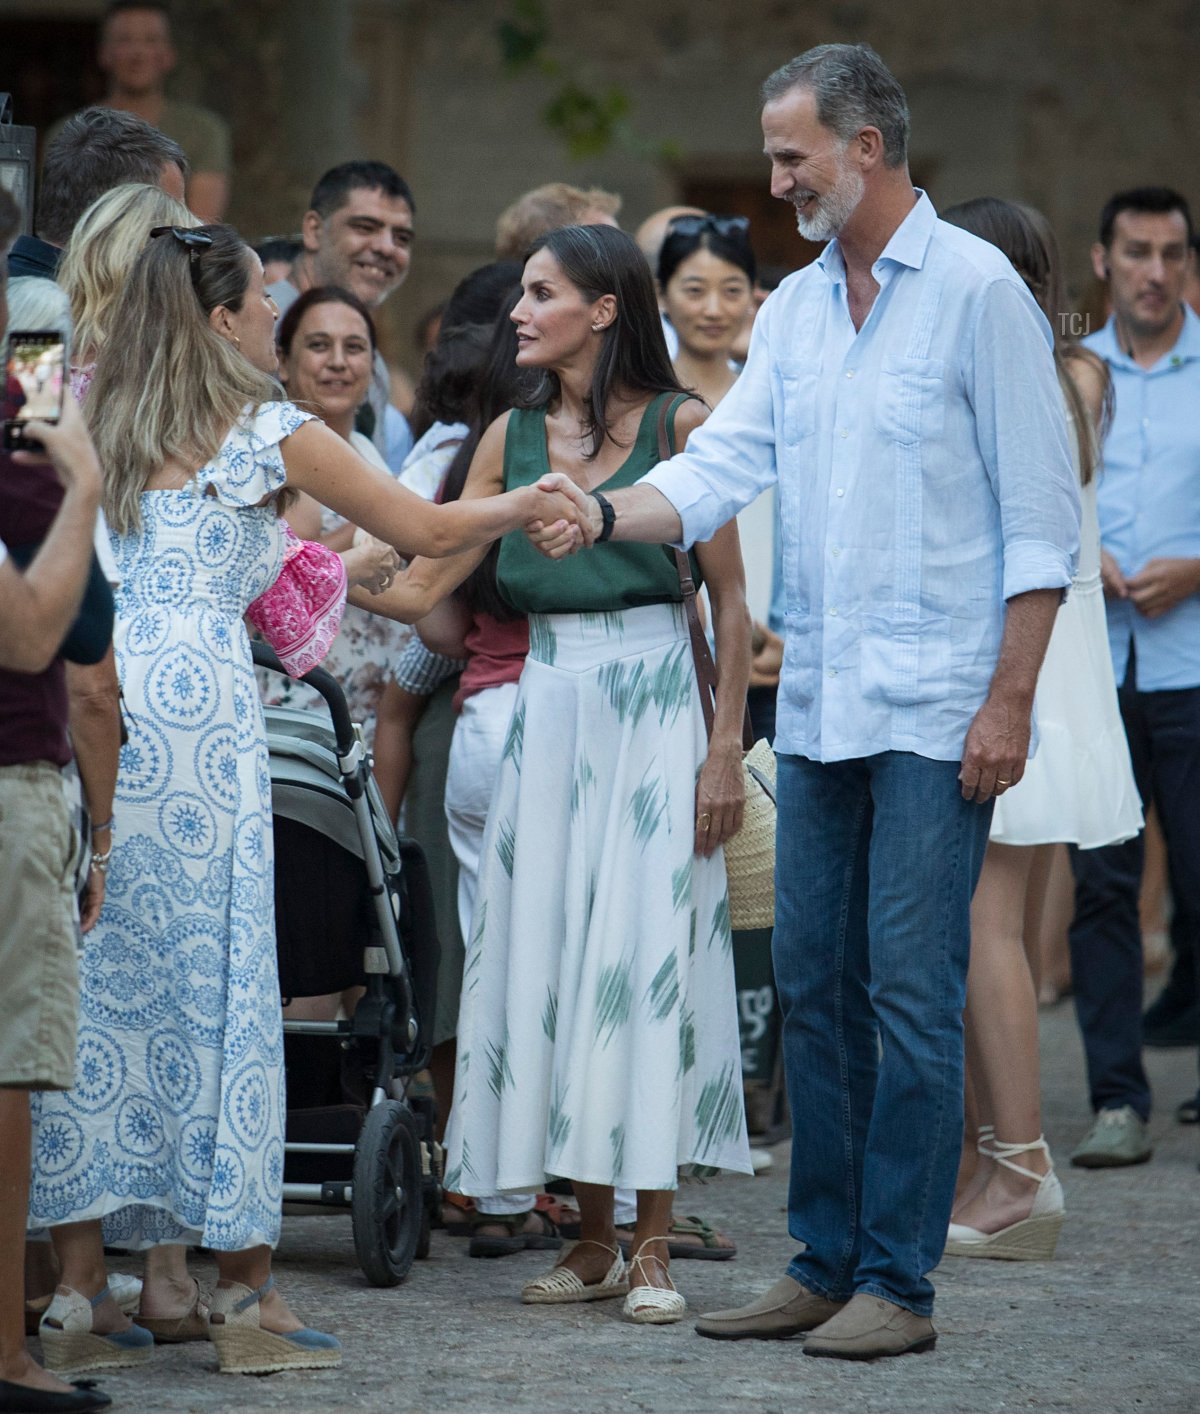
(1058, 104)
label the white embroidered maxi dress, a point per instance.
(174, 1130)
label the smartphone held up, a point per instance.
(35, 378)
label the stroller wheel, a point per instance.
(386, 1206)
(425, 1237)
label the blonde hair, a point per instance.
(103, 246)
(545, 209)
(171, 388)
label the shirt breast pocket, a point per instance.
(798, 380)
(910, 402)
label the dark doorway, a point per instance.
(773, 231)
(49, 67)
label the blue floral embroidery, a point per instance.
(174, 1130)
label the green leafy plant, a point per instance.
(589, 119)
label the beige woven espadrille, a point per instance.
(70, 1345)
(245, 1348)
(560, 1284)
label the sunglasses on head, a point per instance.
(194, 242)
(718, 225)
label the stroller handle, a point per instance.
(324, 683)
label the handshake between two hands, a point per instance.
(565, 517)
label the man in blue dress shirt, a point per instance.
(1149, 502)
(901, 391)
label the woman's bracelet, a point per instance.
(100, 861)
(105, 825)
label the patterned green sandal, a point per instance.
(546, 1239)
(681, 1244)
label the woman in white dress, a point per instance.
(597, 1030)
(1077, 789)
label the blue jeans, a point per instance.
(877, 861)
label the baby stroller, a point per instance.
(353, 907)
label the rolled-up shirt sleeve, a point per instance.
(1021, 423)
(730, 460)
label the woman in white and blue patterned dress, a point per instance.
(174, 1131)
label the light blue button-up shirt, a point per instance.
(925, 476)
(1149, 500)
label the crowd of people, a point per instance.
(981, 649)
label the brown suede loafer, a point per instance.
(868, 1327)
(787, 1309)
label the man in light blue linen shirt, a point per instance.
(1149, 503)
(902, 392)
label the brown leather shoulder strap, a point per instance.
(706, 669)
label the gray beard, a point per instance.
(832, 210)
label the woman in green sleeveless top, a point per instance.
(598, 1035)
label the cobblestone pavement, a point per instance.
(1110, 1324)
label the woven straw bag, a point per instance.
(750, 854)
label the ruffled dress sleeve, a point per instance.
(249, 467)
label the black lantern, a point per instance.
(17, 147)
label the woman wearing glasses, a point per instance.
(174, 1131)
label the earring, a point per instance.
(237, 343)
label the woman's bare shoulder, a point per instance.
(689, 416)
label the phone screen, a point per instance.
(35, 376)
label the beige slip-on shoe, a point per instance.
(787, 1309)
(868, 1327)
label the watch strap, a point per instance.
(608, 517)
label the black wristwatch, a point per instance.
(608, 517)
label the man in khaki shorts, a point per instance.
(39, 1000)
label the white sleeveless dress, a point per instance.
(1079, 787)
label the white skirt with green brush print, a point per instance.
(598, 1035)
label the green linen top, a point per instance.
(606, 578)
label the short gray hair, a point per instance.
(854, 89)
(37, 303)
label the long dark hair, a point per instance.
(1025, 236)
(447, 390)
(500, 387)
(600, 260)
